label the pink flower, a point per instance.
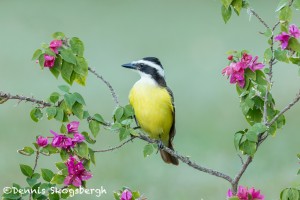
(229, 69)
(54, 45)
(126, 195)
(76, 172)
(229, 193)
(238, 77)
(73, 127)
(78, 138)
(256, 194)
(283, 38)
(49, 61)
(254, 65)
(246, 59)
(42, 141)
(244, 194)
(61, 141)
(294, 31)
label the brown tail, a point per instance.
(168, 158)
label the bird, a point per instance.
(153, 103)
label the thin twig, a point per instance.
(6, 96)
(259, 18)
(116, 147)
(34, 168)
(112, 91)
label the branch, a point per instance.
(112, 91)
(116, 147)
(289, 106)
(6, 96)
(187, 160)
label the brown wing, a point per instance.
(173, 129)
(168, 158)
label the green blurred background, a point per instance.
(191, 39)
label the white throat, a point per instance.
(146, 79)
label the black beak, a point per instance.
(129, 66)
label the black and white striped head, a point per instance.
(149, 67)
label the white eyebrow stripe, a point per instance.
(151, 64)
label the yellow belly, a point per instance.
(153, 110)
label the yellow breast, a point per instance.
(153, 109)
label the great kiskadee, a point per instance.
(153, 103)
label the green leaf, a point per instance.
(148, 150)
(285, 14)
(94, 126)
(234, 198)
(86, 114)
(295, 61)
(36, 114)
(66, 71)
(294, 44)
(226, 3)
(79, 98)
(116, 126)
(237, 5)
(36, 54)
(58, 35)
(41, 60)
(51, 112)
(67, 55)
(119, 113)
(82, 67)
(124, 133)
(258, 128)
(59, 114)
(248, 147)
(79, 79)
(64, 88)
(54, 97)
(127, 122)
(49, 149)
(26, 170)
(289, 194)
(268, 55)
(78, 110)
(282, 4)
(88, 138)
(99, 118)
(64, 155)
(27, 151)
(297, 4)
(47, 174)
(268, 33)
(31, 181)
(254, 116)
(70, 100)
(251, 136)
(281, 55)
(53, 196)
(128, 111)
(226, 13)
(82, 150)
(58, 179)
(92, 156)
(77, 46)
(60, 165)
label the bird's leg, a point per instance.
(160, 144)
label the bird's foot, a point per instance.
(160, 145)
